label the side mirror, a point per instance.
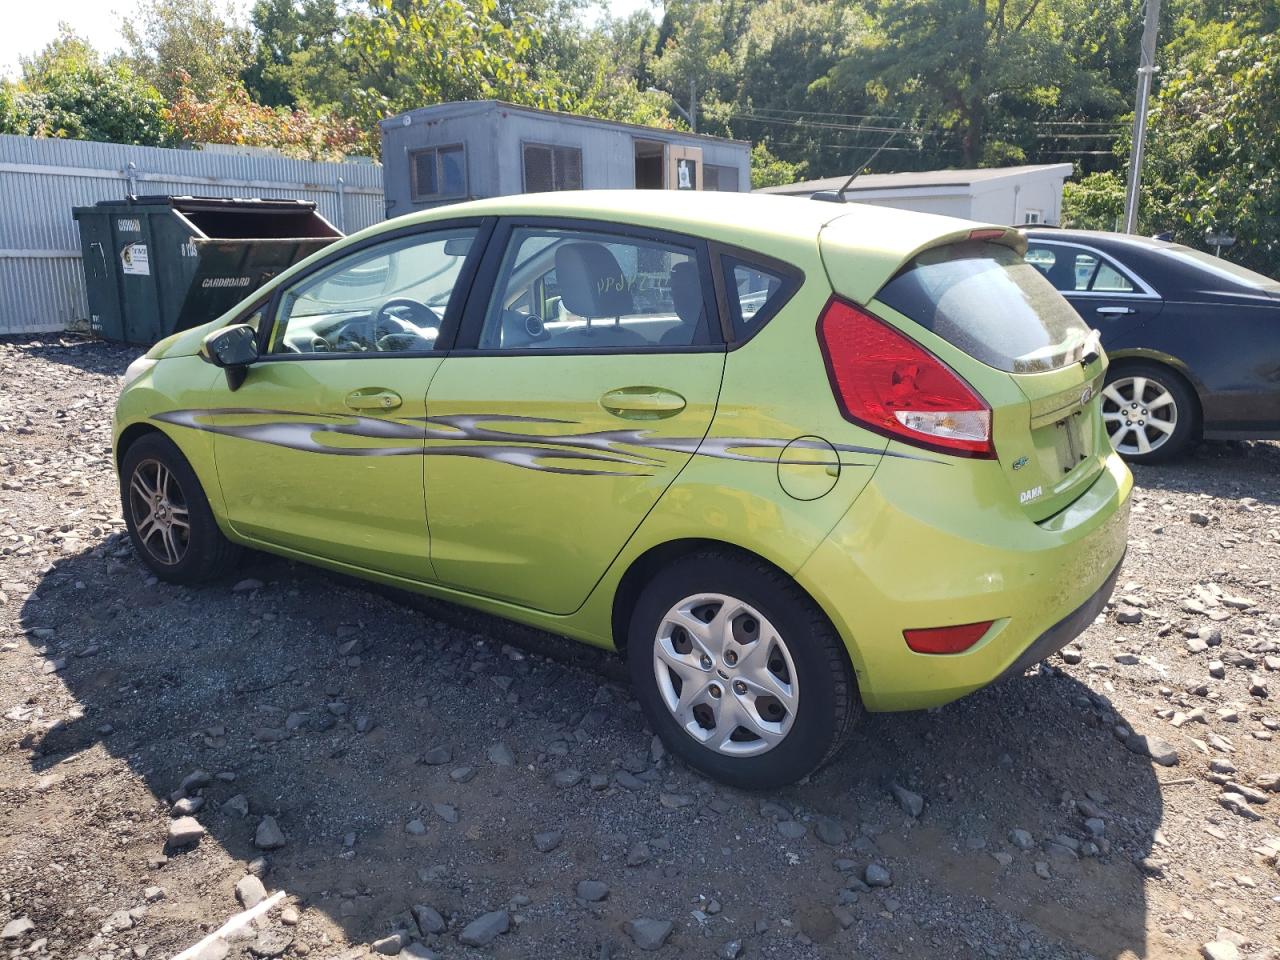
(232, 348)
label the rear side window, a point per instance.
(986, 300)
(756, 294)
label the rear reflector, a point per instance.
(946, 639)
(887, 382)
(987, 234)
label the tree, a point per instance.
(410, 53)
(172, 39)
(694, 60)
(1213, 151)
(1095, 202)
(233, 117)
(768, 171)
(298, 54)
(67, 91)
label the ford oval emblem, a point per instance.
(1086, 395)
(1020, 463)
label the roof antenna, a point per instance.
(837, 196)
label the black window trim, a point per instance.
(1141, 289)
(451, 321)
(553, 147)
(792, 277)
(486, 278)
(416, 196)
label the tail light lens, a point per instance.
(955, 639)
(887, 382)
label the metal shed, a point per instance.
(487, 148)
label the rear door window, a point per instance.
(991, 303)
(756, 293)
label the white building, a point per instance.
(1005, 195)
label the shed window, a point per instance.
(716, 177)
(439, 173)
(551, 168)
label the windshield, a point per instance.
(1224, 269)
(988, 301)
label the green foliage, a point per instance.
(1095, 202)
(1214, 151)
(173, 43)
(694, 59)
(67, 91)
(9, 109)
(298, 56)
(768, 171)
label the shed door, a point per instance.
(684, 167)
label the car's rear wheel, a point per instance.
(1149, 411)
(168, 515)
(739, 672)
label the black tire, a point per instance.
(827, 699)
(1185, 406)
(204, 554)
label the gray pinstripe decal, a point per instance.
(302, 431)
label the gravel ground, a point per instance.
(419, 779)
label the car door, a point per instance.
(1107, 295)
(320, 450)
(586, 374)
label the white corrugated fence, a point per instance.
(41, 280)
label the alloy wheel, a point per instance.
(1140, 413)
(726, 675)
(159, 511)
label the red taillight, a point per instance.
(955, 639)
(886, 381)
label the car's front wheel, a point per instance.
(168, 516)
(1149, 411)
(739, 672)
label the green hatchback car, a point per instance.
(794, 460)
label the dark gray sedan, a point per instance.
(1194, 340)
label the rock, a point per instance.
(1217, 669)
(1239, 805)
(675, 801)
(731, 950)
(390, 946)
(462, 774)
(500, 755)
(215, 949)
(792, 829)
(244, 586)
(830, 831)
(428, 919)
(446, 812)
(638, 854)
(1127, 659)
(415, 828)
(912, 803)
(1160, 751)
(419, 951)
(1196, 645)
(1199, 519)
(1128, 615)
(185, 831)
(196, 780)
(237, 806)
(1042, 870)
(268, 836)
(270, 943)
(648, 934)
(437, 756)
(592, 891)
(153, 894)
(250, 891)
(564, 779)
(1071, 655)
(290, 916)
(547, 841)
(877, 876)
(485, 929)
(17, 929)
(1021, 839)
(186, 807)
(1220, 950)
(1257, 685)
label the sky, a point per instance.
(35, 22)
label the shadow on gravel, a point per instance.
(91, 356)
(1229, 470)
(367, 729)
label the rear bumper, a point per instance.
(930, 545)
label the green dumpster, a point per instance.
(155, 265)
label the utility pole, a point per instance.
(1145, 74)
(693, 106)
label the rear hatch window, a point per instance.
(986, 300)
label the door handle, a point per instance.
(643, 403)
(373, 398)
(1115, 311)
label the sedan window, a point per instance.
(1072, 270)
(565, 289)
(389, 298)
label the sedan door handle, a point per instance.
(373, 398)
(643, 403)
(1115, 311)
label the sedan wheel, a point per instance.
(726, 675)
(1141, 414)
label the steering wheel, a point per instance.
(420, 315)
